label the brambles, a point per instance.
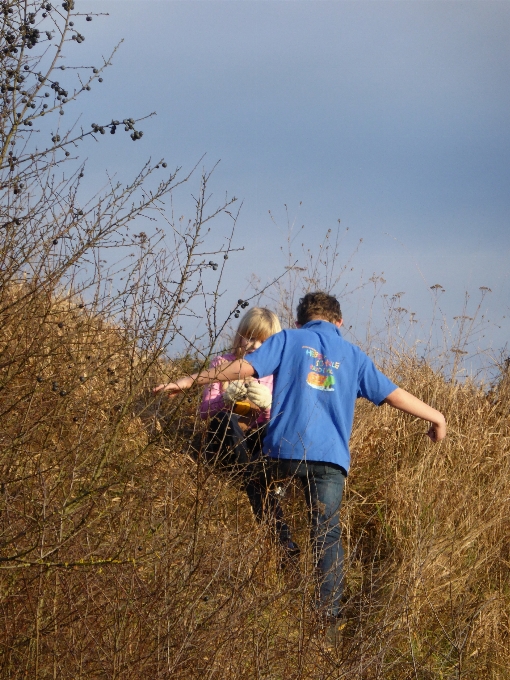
(80, 340)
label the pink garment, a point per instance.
(212, 397)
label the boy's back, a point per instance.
(317, 377)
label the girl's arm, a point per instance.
(224, 372)
(408, 403)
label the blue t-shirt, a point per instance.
(317, 378)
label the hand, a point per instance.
(235, 391)
(174, 387)
(437, 431)
(259, 394)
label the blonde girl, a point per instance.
(239, 412)
(250, 400)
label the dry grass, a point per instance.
(122, 557)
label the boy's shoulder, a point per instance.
(330, 337)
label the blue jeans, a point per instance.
(323, 485)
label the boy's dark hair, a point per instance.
(318, 305)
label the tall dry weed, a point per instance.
(124, 555)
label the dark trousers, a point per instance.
(323, 485)
(239, 452)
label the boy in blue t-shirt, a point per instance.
(317, 377)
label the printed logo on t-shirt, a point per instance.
(320, 375)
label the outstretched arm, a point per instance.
(224, 372)
(408, 403)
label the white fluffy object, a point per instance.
(235, 391)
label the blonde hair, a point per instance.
(257, 324)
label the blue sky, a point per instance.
(391, 116)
